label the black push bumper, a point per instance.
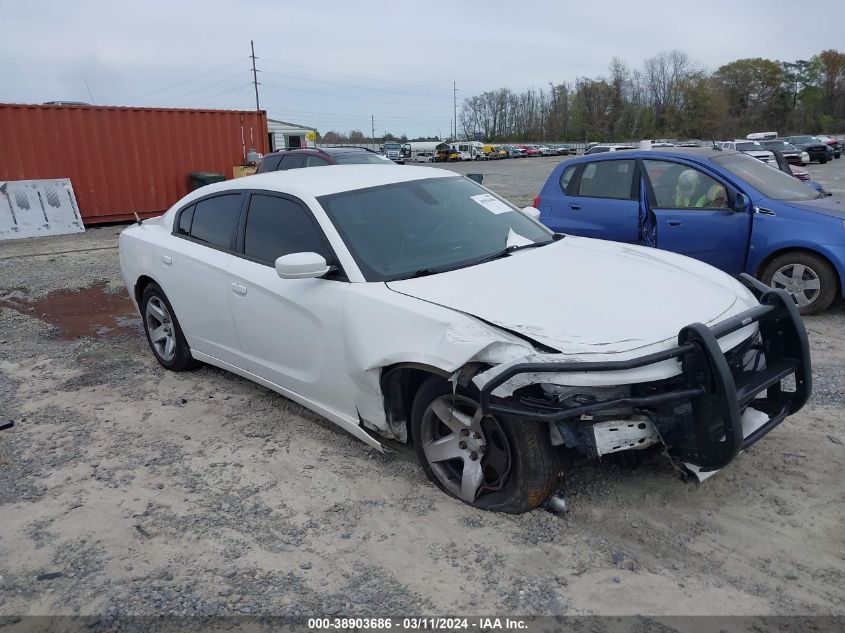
(716, 394)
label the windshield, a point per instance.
(431, 225)
(771, 183)
(392, 146)
(804, 139)
(749, 147)
(360, 158)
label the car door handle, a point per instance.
(239, 289)
(166, 259)
(575, 207)
(673, 222)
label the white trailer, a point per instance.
(423, 151)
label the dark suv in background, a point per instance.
(817, 149)
(319, 157)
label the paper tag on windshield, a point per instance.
(491, 203)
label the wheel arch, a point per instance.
(802, 249)
(140, 284)
(399, 385)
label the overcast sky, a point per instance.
(332, 64)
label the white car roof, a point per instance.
(321, 181)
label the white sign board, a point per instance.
(32, 208)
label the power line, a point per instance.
(340, 96)
(332, 72)
(336, 115)
(356, 87)
(201, 89)
(227, 90)
(186, 81)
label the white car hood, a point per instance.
(582, 295)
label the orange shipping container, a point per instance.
(124, 160)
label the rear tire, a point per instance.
(510, 465)
(822, 161)
(808, 277)
(164, 334)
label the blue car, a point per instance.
(719, 206)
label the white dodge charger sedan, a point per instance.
(413, 305)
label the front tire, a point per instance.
(807, 277)
(164, 334)
(500, 465)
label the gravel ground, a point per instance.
(125, 489)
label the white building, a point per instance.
(284, 135)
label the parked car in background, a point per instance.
(495, 152)
(720, 206)
(795, 171)
(599, 149)
(547, 150)
(566, 150)
(816, 149)
(792, 154)
(662, 144)
(319, 157)
(405, 304)
(531, 150)
(834, 144)
(752, 148)
(515, 152)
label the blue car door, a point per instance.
(694, 216)
(597, 199)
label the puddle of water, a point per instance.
(87, 312)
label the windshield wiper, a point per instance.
(511, 249)
(422, 272)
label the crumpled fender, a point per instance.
(386, 328)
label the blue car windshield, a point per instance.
(772, 183)
(428, 226)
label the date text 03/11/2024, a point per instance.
(421, 623)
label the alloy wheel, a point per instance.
(160, 328)
(467, 452)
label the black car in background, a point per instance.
(319, 157)
(818, 150)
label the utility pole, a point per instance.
(455, 108)
(254, 75)
(373, 127)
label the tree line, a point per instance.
(670, 96)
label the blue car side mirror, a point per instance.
(740, 202)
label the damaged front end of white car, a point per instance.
(709, 405)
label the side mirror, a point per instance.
(740, 202)
(301, 266)
(532, 212)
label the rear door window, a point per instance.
(278, 226)
(185, 217)
(608, 179)
(316, 161)
(293, 161)
(215, 220)
(566, 177)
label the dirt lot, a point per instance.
(125, 489)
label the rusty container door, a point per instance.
(124, 160)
